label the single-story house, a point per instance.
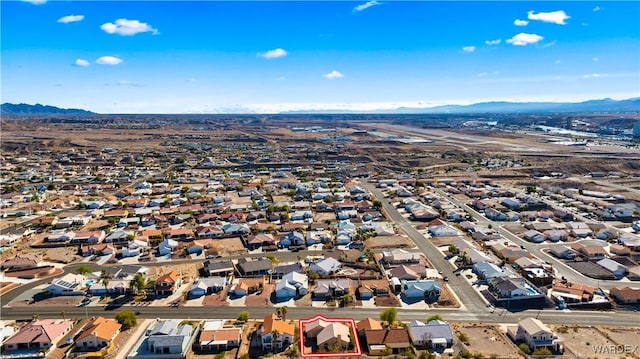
(436, 335)
(98, 333)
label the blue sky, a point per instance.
(213, 56)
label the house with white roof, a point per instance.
(535, 334)
(292, 285)
(421, 289)
(436, 334)
(325, 267)
(617, 269)
(68, 284)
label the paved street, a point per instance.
(536, 249)
(474, 307)
(453, 315)
(469, 297)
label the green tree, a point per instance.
(389, 315)
(377, 203)
(282, 312)
(127, 319)
(314, 276)
(243, 316)
(83, 270)
(275, 335)
(347, 299)
(104, 278)
(434, 317)
(137, 283)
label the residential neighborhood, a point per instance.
(186, 243)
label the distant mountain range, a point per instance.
(591, 106)
(38, 109)
(604, 105)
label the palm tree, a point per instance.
(104, 279)
(275, 334)
(63, 314)
(282, 312)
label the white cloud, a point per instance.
(519, 22)
(493, 42)
(549, 44)
(109, 60)
(554, 17)
(127, 27)
(35, 2)
(273, 54)
(469, 49)
(524, 39)
(485, 74)
(366, 5)
(81, 63)
(333, 75)
(70, 18)
(129, 83)
(595, 59)
(597, 8)
(593, 76)
(558, 61)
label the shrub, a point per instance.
(243, 316)
(127, 319)
(524, 347)
(542, 351)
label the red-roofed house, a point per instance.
(39, 334)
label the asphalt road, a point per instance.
(474, 310)
(453, 315)
(469, 297)
(536, 249)
(71, 268)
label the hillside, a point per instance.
(38, 109)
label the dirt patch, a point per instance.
(189, 271)
(7, 286)
(623, 336)
(585, 342)
(446, 299)
(389, 242)
(64, 255)
(215, 300)
(247, 332)
(35, 273)
(260, 299)
(305, 301)
(324, 216)
(228, 247)
(386, 301)
(69, 301)
(487, 340)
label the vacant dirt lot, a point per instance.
(189, 270)
(229, 246)
(389, 242)
(584, 342)
(488, 341)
